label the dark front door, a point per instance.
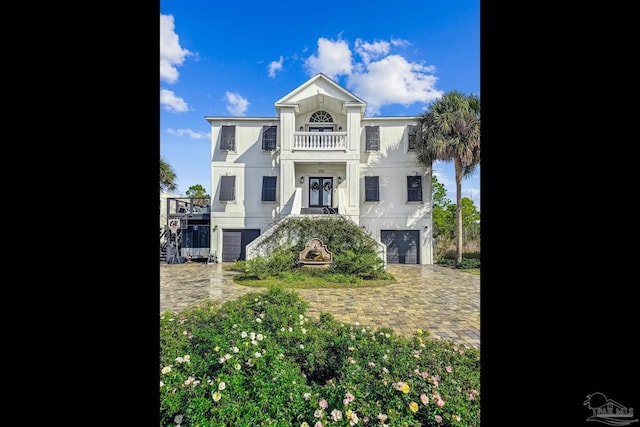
(234, 243)
(320, 192)
(402, 246)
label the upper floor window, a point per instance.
(227, 188)
(321, 117)
(372, 138)
(371, 189)
(414, 188)
(228, 138)
(411, 133)
(269, 188)
(269, 137)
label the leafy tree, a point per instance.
(450, 131)
(443, 219)
(199, 193)
(167, 176)
(470, 217)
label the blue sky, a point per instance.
(237, 58)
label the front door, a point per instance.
(320, 192)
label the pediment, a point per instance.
(320, 89)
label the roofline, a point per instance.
(389, 118)
(309, 82)
(212, 119)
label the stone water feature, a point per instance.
(315, 254)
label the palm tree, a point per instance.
(450, 130)
(167, 176)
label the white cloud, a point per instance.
(275, 66)
(236, 104)
(333, 58)
(172, 102)
(375, 73)
(368, 51)
(190, 133)
(171, 53)
(393, 80)
(400, 42)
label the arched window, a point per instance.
(321, 117)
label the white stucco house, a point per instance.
(319, 155)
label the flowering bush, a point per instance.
(259, 360)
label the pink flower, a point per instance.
(424, 399)
(323, 404)
(438, 419)
(448, 368)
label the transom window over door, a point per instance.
(321, 117)
(320, 192)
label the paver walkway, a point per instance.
(441, 300)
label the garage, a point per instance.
(234, 243)
(403, 246)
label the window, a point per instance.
(411, 132)
(372, 138)
(269, 137)
(227, 188)
(321, 117)
(371, 189)
(269, 188)
(228, 139)
(414, 188)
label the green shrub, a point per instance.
(360, 264)
(259, 360)
(466, 263)
(239, 265)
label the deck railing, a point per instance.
(320, 141)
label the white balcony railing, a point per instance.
(320, 141)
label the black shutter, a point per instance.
(228, 138)
(412, 137)
(269, 188)
(227, 188)
(372, 135)
(371, 189)
(269, 137)
(414, 188)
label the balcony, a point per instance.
(320, 141)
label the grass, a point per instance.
(305, 280)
